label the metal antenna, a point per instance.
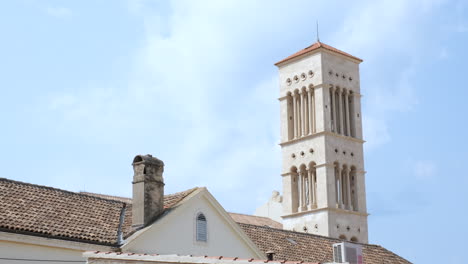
(318, 38)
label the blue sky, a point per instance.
(87, 85)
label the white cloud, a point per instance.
(59, 12)
(383, 31)
(193, 93)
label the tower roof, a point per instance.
(317, 45)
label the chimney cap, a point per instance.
(147, 159)
(270, 255)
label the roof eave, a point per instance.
(300, 56)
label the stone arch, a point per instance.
(302, 190)
(342, 237)
(354, 239)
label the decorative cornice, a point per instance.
(338, 210)
(292, 141)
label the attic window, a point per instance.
(201, 228)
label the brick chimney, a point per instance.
(148, 190)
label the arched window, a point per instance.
(342, 237)
(201, 228)
(354, 239)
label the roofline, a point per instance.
(309, 234)
(138, 232)
(18, 236)
(61, 190)
(233, 224)
(315, 50)
(174, 258)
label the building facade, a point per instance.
(322, 146)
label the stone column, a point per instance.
(303, 196)
(348, 125)
(311, 189)
(334, 109)
(306, 112)
(313, 112)
(340, 105)
(351, 115)
(299, 192)
(342, 185)
(337, 187)
(302, 114)
(314, 188)
(309, 98)
(299, 118)
(294, 115)
(348, 190)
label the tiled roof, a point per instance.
(50, 212)
(255, 220)
(315, 46)
(296, 246)
(92, 218)
(110, 197)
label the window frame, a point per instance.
(199, 223)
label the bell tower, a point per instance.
(322, 146)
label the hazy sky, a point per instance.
(87, 85)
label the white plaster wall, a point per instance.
(339, 221)
(271, 209)
(316, 222)
(302, 65)
(175, 234)
(29, 251)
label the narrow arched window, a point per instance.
(201, 228)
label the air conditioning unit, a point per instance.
(346, 252)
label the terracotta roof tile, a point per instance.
(317, 45)
(46, 211)
(255, 220)
(295, 246)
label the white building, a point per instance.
(322, 146)
(323, 200)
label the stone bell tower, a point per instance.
(322, 146)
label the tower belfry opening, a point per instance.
(322, 146)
